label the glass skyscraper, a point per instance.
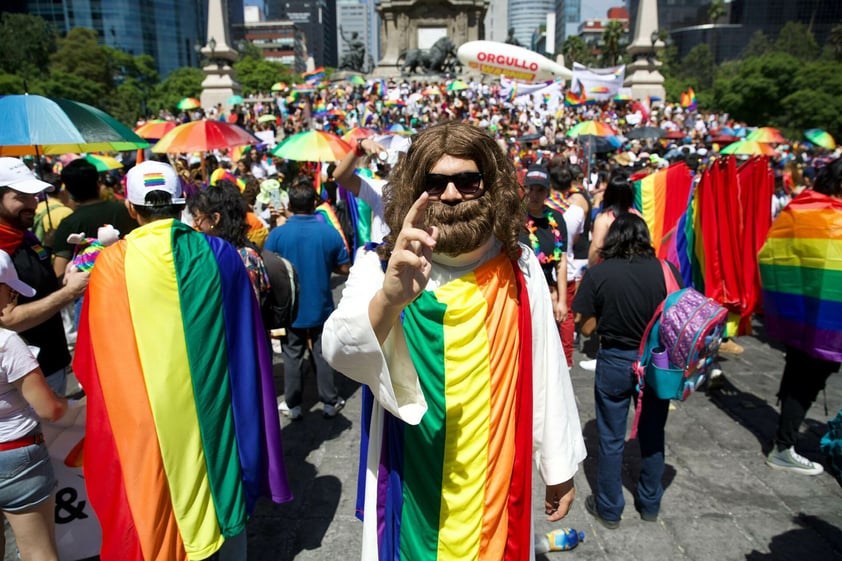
(167, 30)
(527, 16)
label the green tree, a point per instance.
(807, 109)
(751, 90)
(758, 45)
(698, 67)
(257, 74)
(80, 54)
(836, 40)
(26, 43)
(133, 78)
(797, 40)
(613, 38)
(575, 49)
(180, 83)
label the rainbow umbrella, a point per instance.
(313, 146)
(768, 135)
(188, 103)
(356, 80)
(235, 100)
(203, 136)
(33, 124)
(356, 134)
(593, 128)
(155, 129)
(820, 138)
(267, 119)
(279, 86)
(104, 163)
(749, 148)
(431, 90)
(457, 85)
(394, 103)
(398, 128)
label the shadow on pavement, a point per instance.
(815, 539)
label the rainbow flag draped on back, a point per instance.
(183, 433)
(801, 275)
(471, 344)
(662, 199)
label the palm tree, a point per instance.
(575, 49)
(836, 39)
(612, 38)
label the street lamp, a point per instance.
(212, 45)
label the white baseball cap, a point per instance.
(15, 175)
(152, 176)
(9, 276)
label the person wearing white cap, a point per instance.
(36, 318)
(27, 488)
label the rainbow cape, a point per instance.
(801, 275)
(471, 344)
(183, 433)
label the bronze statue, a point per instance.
(354, 59)
(440, 58)
(511, 39)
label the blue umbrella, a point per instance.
(33, 124)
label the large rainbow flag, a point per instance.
(183, 433)
(662, 199)
(801, 274)
(471, 344)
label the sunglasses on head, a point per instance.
(467, 183)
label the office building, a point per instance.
(497, 21)
(317, 21)
(358, 16)
(167, 30)
(529, 20)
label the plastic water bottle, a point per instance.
(561, 539)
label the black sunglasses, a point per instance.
(467, 183)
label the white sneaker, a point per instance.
(791, 460)
(589, 365)
(294, 414)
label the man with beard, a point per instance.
(37, 319)
(454, 334)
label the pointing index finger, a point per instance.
(416, 216)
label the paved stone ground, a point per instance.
(721, 503)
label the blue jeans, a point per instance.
(614, 390)
(26, 477)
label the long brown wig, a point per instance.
(464, 141)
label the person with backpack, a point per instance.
(617, 298)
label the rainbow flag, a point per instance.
(557, 202)
(662, 199)
(574, 99)
(801, 275)
(688, 99)
(471, 344)
(183, 433)
(222, 173)
(313, 76)
(329, 215)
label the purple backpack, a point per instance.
(679, 344)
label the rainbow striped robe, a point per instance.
(801, 275)
(469, 388)
(182, 432)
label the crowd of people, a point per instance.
(480, 250)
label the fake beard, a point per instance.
(462, 227)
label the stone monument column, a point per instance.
(642, 75)
(219, 83)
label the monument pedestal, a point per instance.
(218, 85)
(645, 80)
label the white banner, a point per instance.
(78, 534)
(546, 93)
(598, 83)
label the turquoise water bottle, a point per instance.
(561, 539)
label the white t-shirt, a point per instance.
(371, 192)
(574, 218)
(17, 418)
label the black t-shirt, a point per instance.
(34, 267)
(622, 295)
(546, 240)
(88, 219)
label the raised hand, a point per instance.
(408, 270)
(411, 261)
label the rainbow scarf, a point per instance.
(470, 341)
(801, 275)
(662, 199)
(183, 433)
(558, 202)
